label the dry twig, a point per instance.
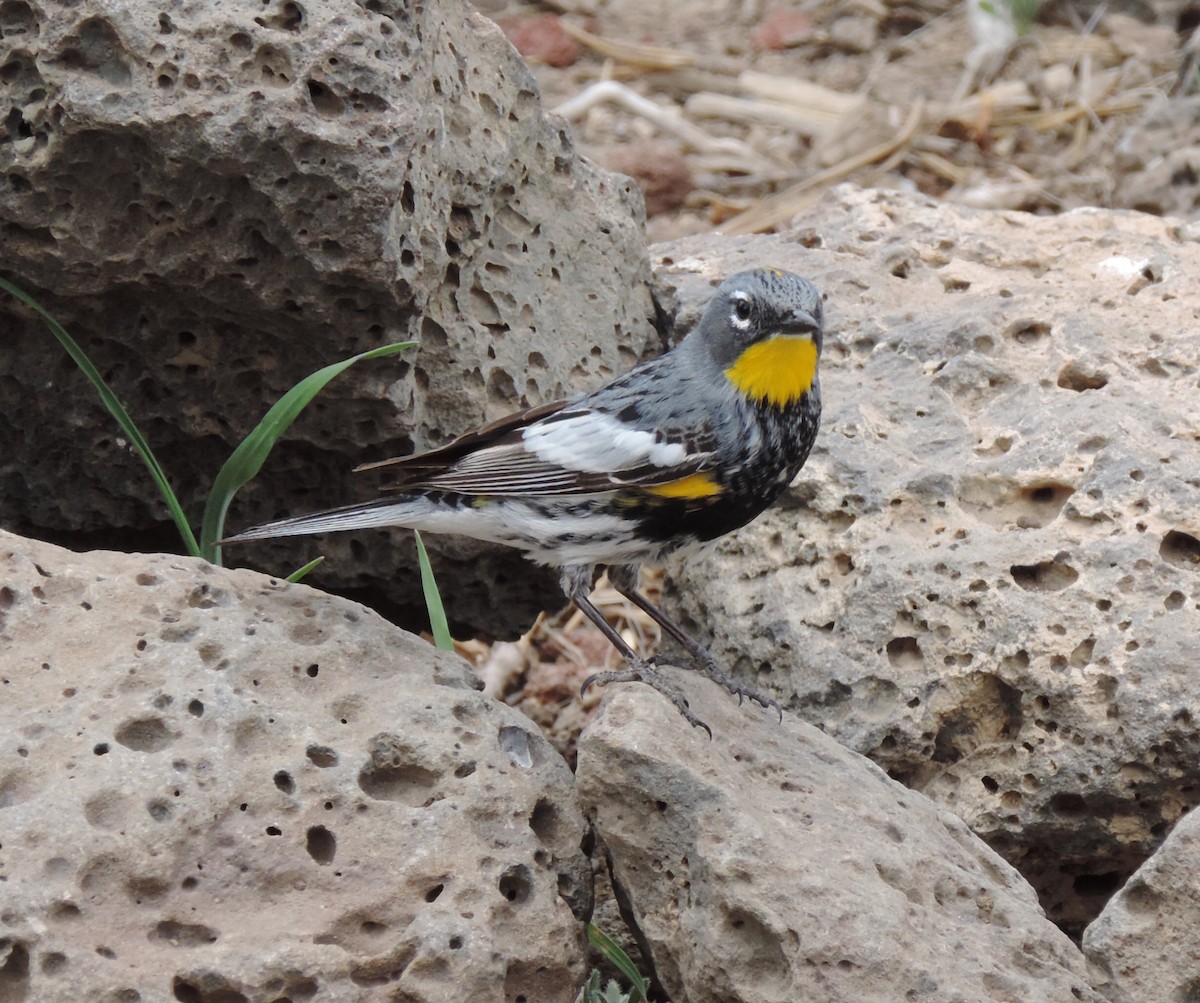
(782, 206)
(647, 57)
(667, 119)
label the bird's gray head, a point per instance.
(764, 329)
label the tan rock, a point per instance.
(986, 578)
(771, 865)
(218, 199)
(1147, 939)
(215, 786)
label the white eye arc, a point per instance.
(740, 315)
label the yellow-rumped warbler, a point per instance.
(680, 450)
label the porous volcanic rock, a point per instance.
(218, 199)
(771, 865)
(987, 577)
(217, 787)
(1147, 939)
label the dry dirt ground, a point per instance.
(738, 116)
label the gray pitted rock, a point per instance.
(217, 200)
(987, 577)
(216, 787)
(1147, 939)
(771, 865)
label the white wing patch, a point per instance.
(597, 443)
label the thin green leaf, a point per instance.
(591, 988)
(1024, 12)
(299, 573)
(433, 600)
(249, 457)
(613, 994)
(117, 410)
(603, 943)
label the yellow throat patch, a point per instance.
(779, 370)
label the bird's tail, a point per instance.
(397, 511)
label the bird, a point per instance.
(659, 462)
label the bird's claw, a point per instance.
(708, 665)
(646, 671)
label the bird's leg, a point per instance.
(707, 664)
(577, 585)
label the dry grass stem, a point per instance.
(646, 57)
(830, 106)
(669, 120)
(780, 208)
(942, 167)
(744, 110)
(751, 127)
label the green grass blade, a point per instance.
(299, 573)
(250, 455)
(117, 410)
(591, 988)
(433, 600)
(603, 943)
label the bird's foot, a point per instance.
(642, 671)
(705, 663)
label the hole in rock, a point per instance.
(147, 734)
(902, 651)
(1072, 377)
(321, 844)
(1181, 549)
(544, 820)
(178, 934)
(321, 756)
(412, 784)
(1046, 576)
(516, 883)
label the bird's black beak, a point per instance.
(798, 324)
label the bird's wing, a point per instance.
(444, 457)
(559, 448)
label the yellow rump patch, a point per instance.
(692, 486)
(779, 370)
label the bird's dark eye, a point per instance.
(741, 309)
